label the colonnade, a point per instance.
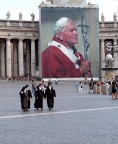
(17, 57)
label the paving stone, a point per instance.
(77, 118)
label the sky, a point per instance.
(26, 7)
(107, 7)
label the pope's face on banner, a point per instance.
(69, 34)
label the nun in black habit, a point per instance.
(39, 93)
(22, 97)
(29, 94)
(50, 94)
(25, 95)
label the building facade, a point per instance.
(19, 46)
(108, 44)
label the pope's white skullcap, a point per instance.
(60, 24)
(62, 20)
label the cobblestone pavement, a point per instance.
(77, 118)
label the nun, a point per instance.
(39, 93)
(24, 98)
(50, 93)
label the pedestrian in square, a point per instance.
(39, 93)
(24, 98)
(50, 93)
(81, 86)
(91, 86)
(33, 88)
(77, 86)
(114, 90)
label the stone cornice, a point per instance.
(68, 5)
(19, 30)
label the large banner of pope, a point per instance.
(69, 42)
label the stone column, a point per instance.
(2, 58)
(115, 57)
(15, 59)
(20, 54)
(28, 69)
(40, 61)
(8, 58)
(33, 58)
(37, 57)
(102, 58)
(115, 54)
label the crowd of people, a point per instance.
(40, 92)
(100, 86)
(46, 91)
(111, 86)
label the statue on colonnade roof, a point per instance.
(102, 17)
(115, 17)
(8, 15)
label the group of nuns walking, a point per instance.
(42, 91)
